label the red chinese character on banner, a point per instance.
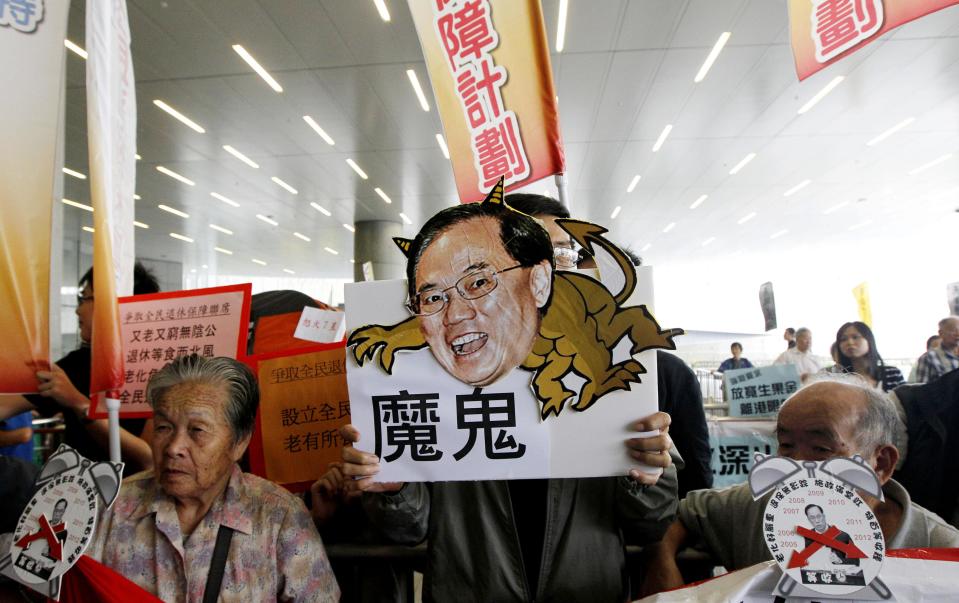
(481, 96)
(466, 33)
(841, 24)
(498, 151)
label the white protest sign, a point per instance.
(321, 326)
(428, 426)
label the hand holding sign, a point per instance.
(651, 446)
(362, 466)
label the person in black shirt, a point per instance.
(65, 389)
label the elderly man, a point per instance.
(174, 529)
(941, 360)
(835, 416)
(479, 276)
(800, 355)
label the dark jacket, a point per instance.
(932, 454)
(681, 397)
(474, 550)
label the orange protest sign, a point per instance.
(824, 31)
(488, 63)
(304, 401)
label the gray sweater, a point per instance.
(729, 523)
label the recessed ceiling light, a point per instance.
(301, 236)
(77, 205)
(742, 163)
(646, 247)
(561, 25)
(349, 227)
(382, 195)
(352, 261)
(405, 218)
(174, 211)
(662, 137)
(357, 169)
(821, 94)
(288, 271)
(316, 128)
(181, 237)
(633, 183)
(381, 8)
(708, 241)
(241, 156)
(333, 251)
(260, 262)
(224, 199)
(136, 197)
(711, 57)
(74, 173)
(175, 176)
(221, 229)
(860, 225)
(443, 148)
(179, 116)
(746, 218)
(669, 227)
(934, 162)
(79, 51)
(137, 156)
(320, 208)
(269, 221)
(797, 188)
(835, 208)
(891, 131)
(223, 251)
(289, 188)
(204, 266)
(140, 224)
(415, 82)
(192, 270)
(88, 229)
(616, 211)
(698, 201)
(260, 71)
(778, 234)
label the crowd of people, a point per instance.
(189, 521)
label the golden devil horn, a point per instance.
(495, 195)
(404, 245)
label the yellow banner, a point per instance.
(31, 42)
(488, 62)
(111, 132)
(861, 293)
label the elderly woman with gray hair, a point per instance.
(196, 528)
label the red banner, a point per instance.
(488, 62)
(824, 31)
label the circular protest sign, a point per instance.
(823, 535)
(54, 528)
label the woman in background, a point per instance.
(858, 354)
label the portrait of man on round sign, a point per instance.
(485, 298)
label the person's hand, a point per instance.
(55, 384)
(327, 492)
(359, 467)
(652, 450)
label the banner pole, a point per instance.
(560, 180)
(113, 422)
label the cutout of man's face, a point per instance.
(480, 340)
(817, 518)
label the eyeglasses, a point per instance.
(472, 286)
(565, 257)
(81, 298)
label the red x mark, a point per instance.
(827, 538)
(48, 533)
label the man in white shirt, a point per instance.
(800, 355)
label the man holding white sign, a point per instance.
(480, 282)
